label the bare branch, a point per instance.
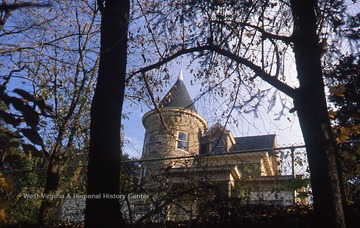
(265, 35)
(154, 102)
(283, 87)
(149, 29)
(15, 6)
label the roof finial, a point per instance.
(181, 77)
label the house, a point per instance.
(181, 153)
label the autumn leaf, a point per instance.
(356, 129)
(332, 114)
(5, 183)
(357, 168)
(3, 214)
(344, 134)
(339, 90)
(9, 133)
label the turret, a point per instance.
(177, 129)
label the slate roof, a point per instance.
(254, 142)
(178, 97)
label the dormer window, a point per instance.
(217, 147)
(182, 141)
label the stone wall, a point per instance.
(161, 141)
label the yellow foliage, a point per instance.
(344, 134)
(3, 214)
(4, 204)
(345, 155)
(332, 114)
(345, 131)
(356, 129)
(338, 90)
(5, 183)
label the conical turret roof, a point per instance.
(178, 96)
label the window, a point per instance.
(147, 143)
(217, 147)
(182, 141)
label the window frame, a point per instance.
(217, 146)
(147, 143)
(181, 142)
(145, 170)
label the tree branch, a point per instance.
(265, 34)
(154, 102)
(15, 6)
(283, 87)
(285, 39)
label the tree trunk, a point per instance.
(104, 155)
(310, 104)
(49, 204)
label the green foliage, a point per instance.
(249, 170)
(242, 191)
(129, 175)
(49, 59)
(301, 187)
(6, 186)
(21, 173)
(27, 176)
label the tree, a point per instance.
(8, 144)
(51, 53)
(251, 40)
(106, 109)
(73, 78)
(319, 139)
(342, 80)
(14, 178)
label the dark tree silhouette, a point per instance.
(310, 104)
(104, 156)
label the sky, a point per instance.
(287, 128)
